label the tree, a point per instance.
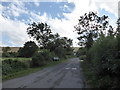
(28, 49)
(118, 37)
(5, 51)
(60, 45)
(40, 32)
(91, 27)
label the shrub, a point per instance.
(42, 58)
(47, 55)
(6, 68)
(38, 60)
(83, 57)
(81, 51)
(11, 66)
(104, 63)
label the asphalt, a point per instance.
(64, 75)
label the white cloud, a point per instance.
(15, 9)
(37, 4)
(65, 6)
(15, 30)
(64, 27)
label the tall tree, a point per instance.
(40, 32)
(90, 27)
(60, 45)
(118, 36)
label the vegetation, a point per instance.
(29, 70)
(42, 33)
(102, 63)
(42, 58)
(91, 27)
(32, 56)
(28, 49)
(5, 51)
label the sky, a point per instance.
(60, 15)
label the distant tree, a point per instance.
(28, 49)
(6, 49)
(60, 45)
(5, 52)
(90, 27)
(40, 32)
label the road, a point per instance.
(64, 75)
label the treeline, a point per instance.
(100, 50)
(48, 46)
(45, 39)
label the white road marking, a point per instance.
(74, 68)
(67, 68)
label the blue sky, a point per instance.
(60, 15)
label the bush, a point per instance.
(105, 65)
(11, 66)
(13, 54)
(60, 52)
(47, 55)
(81, 51)
(6, 68)
(42, 58)
(38, 60)
(82, 57)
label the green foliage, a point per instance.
(5, 52)
(82, 57)
(6, 68)
(60, 52)
(104, 62)
(40, 32)
(13, 54)
(81, 51)
(38, 60)
(90, 27)
(11, 66)
(61, 46)
(28, 50)
(6, 49)
(20, 59)
(42, 58)
(28, 71)
(47, 55)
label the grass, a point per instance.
(30, 70)
(16, 58)
(91, 78)
(87, 73)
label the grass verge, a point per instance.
(22, 59)
(88, 73)
(30, 70)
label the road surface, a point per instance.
(64, 75)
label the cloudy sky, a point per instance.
(61, 15)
